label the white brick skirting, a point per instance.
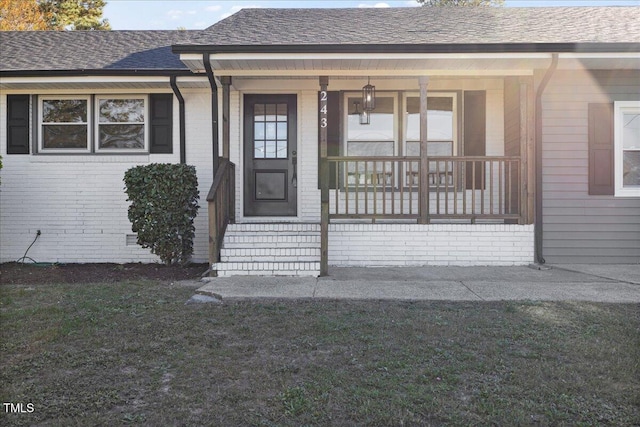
(380, 245)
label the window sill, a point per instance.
(90, 158)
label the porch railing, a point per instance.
(460, 187)
(221, 201)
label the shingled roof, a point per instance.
(423, 25)
(90, 50)
(264, 29)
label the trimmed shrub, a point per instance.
(164, 202)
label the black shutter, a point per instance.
(17, 124)
(333, 132)
(161, 110)
(475, 131)
(601, 149)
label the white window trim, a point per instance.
(619, 108)
(41, 148)
(145, 148)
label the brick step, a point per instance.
(227, 269)
(270, 254)
(269, 240)
(275, 226)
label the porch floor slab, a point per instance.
(604, 284)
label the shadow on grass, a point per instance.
(133, 353)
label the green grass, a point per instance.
(132, 353)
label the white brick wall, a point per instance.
(78, 201)
(432, 244)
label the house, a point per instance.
(334, 137)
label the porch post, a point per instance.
(524, 146)
(226, 82)
(527, 150)
(423, 195)
(324, 180)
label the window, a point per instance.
(121, 124)
(64, 124)
(441, 129)
(627, 148)
(270, 131)
(377, 138)
(101, 124)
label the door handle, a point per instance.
(294, 162)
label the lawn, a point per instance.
(132, 352)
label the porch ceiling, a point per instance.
(296, 64)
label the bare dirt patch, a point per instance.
(36, 274)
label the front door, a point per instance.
(270, 155)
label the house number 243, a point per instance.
(323, 109)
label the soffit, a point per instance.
(402, 64)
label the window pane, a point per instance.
(258, 130)
(121, 136)
(370, 149)
(282, 149)
(281, 111)
(121, 111)
(64, 136)
(270, 112)
(282, 130)
(258, 112)
(433, 148)
(439, 118)
(64, 111)
(258, 149)
(270, 152)
(631, 168)
(631, 131)
(381, 123)
(271, 130)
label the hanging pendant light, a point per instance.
(365, 117)
(369, 96)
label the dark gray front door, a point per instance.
(270, 156)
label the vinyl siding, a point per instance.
(579, 228)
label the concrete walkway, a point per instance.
(606, 283)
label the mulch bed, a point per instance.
(31, 274)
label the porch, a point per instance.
(375, 218)
(426, 200)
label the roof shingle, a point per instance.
(90, 50)
(152, 50)
(425, 25)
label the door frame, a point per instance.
(243, 158)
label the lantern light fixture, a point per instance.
(365, 117)
(369, 96)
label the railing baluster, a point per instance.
(374, 183)
(446, 188)
(384, 188)
(473, 187)
(490, 187)
(366, 188)
(483, 185)
(454, 174)
(402, 179)
(337, 186)
(501, 206)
